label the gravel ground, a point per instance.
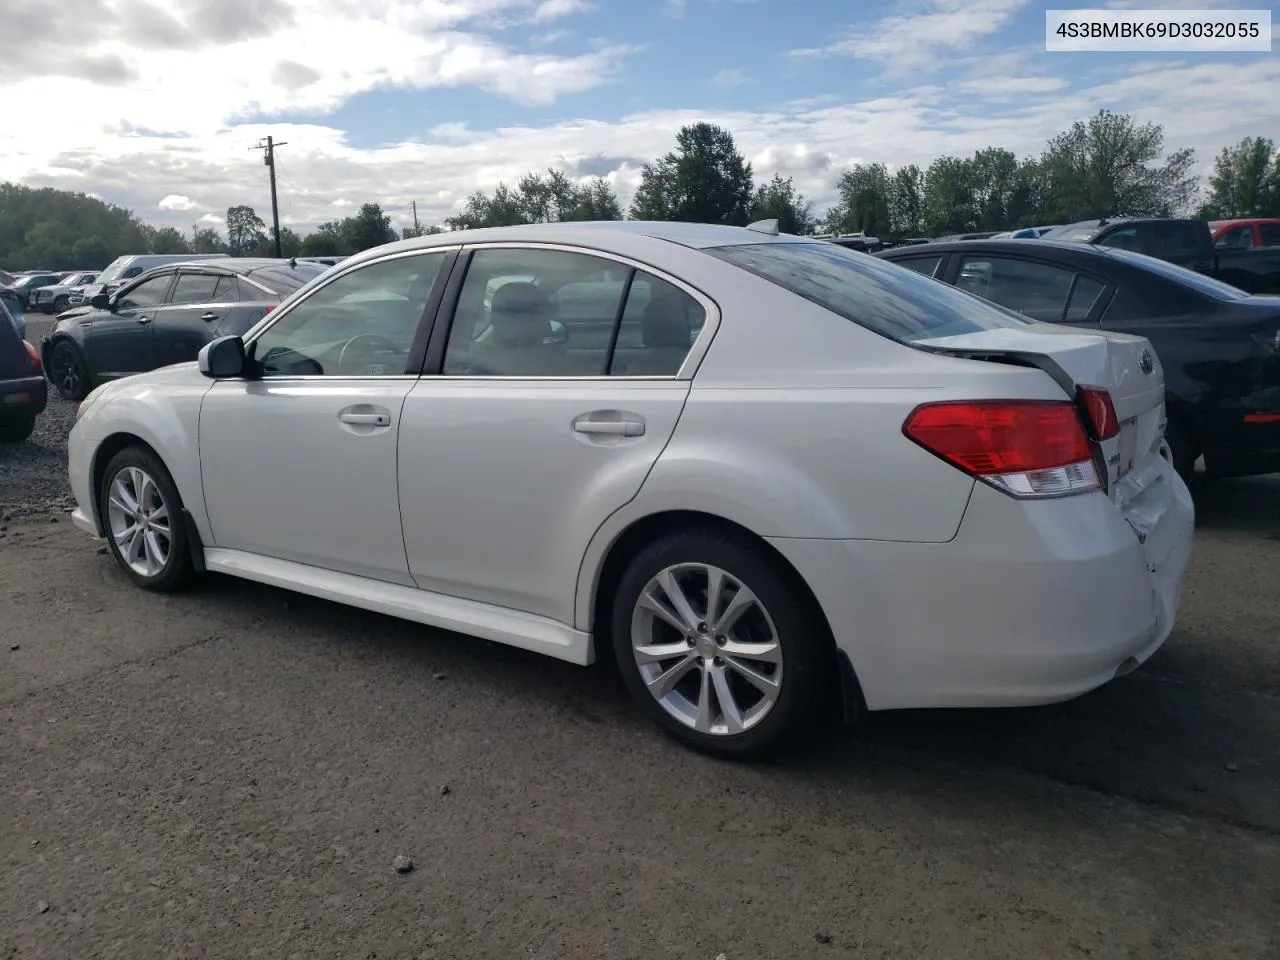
(236, 772)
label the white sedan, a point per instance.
(767, 473)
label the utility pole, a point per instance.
(415, 218)
(269, 158)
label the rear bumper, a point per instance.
(1250, 449)
(1031, 603)
(26, 396)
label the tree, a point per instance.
(370, 227)
(1246, 180)
(1109, 167)
(778, 200)
(505, 208)
(948, 196)
(165, 240)
(63, 230)
(906, 202)
(539, 198)
(207, 240)
(993, 173)
(597, 201)
(704, 180)
(864, 201)
(245, 230)
(321, 244)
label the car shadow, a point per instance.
(1246, 504)
(1149, 737)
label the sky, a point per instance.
(156, 105)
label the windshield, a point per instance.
(27, 281)
(895, 302)
(114, 269)
(1188, 278)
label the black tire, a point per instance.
(61, 303)
(17, 428)
(1183, 450)
(177, 568)
(67, 371)
(801, 635)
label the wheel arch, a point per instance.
(597, 584)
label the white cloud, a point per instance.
(726, 79)
(910, 42)
(674, 8)
(553, 9)
(177, 202)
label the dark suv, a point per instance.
(23, 392)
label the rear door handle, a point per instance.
(207, 317)
(142, 320)
(613, 428)
(366, 419)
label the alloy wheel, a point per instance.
(706, 649)
(66, 372)
(140, 521)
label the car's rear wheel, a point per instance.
(17, 428)
(67, 371)
(718, 645)
(143, 519)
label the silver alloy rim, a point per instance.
(706, 649)
(139, 520)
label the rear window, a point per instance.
(285, 280)
(899, 304)
(1170, 271)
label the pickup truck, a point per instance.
(1187, 243)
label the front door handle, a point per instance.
(609, 423)
(207, 317)
(141, 319)
(366, 419)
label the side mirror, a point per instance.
(559, 333)
(100, 301)
(222, 358)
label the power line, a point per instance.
(269, 158)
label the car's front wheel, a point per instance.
(67, 371)
(61, 303)
(143, 515)
(718, 644)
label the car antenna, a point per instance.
(769, 227)
(293, 263)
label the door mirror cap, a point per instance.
(100, 301)
(222, 358)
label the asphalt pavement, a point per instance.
(232, 771)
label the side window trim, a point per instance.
(445, 317)
(427, 320)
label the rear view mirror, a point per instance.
(100, 301)
(222, 358)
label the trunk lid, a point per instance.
(1123, 364)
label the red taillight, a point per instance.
(1028, 448)
(33, 357)
(1100, 412)
(271, 306)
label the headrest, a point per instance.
(665, 323)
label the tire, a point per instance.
(17, 429)
(61, 303)
(67, 371)
(782, 615)
(1183, 450)
(161, 561)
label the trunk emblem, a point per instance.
(1147, 362)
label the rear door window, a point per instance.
(194, 288)
(1083, 297)
(926, 265)
(1269, 235)
(1033, 289)
(1237, 238)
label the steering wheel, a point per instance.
(369, 342)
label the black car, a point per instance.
(23, 393)
(164, 316)
(1220, 346)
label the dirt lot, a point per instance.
(230, 773)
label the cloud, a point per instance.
(811, 141)
(177, 202)
(911, 42)
(554, 9)
(727, 79)
(674, 8)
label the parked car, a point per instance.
(10, 300)
(164, 316)
(327, 261)
(773, 470)
(23, 392)
(1186, 243)
(1220, 347)
(57, 296)
(24, 285)
(1245, 234)
(980, 235)
(6, 278)
(125, 268)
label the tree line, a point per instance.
(1109, 165)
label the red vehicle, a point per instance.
(1245, 234)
